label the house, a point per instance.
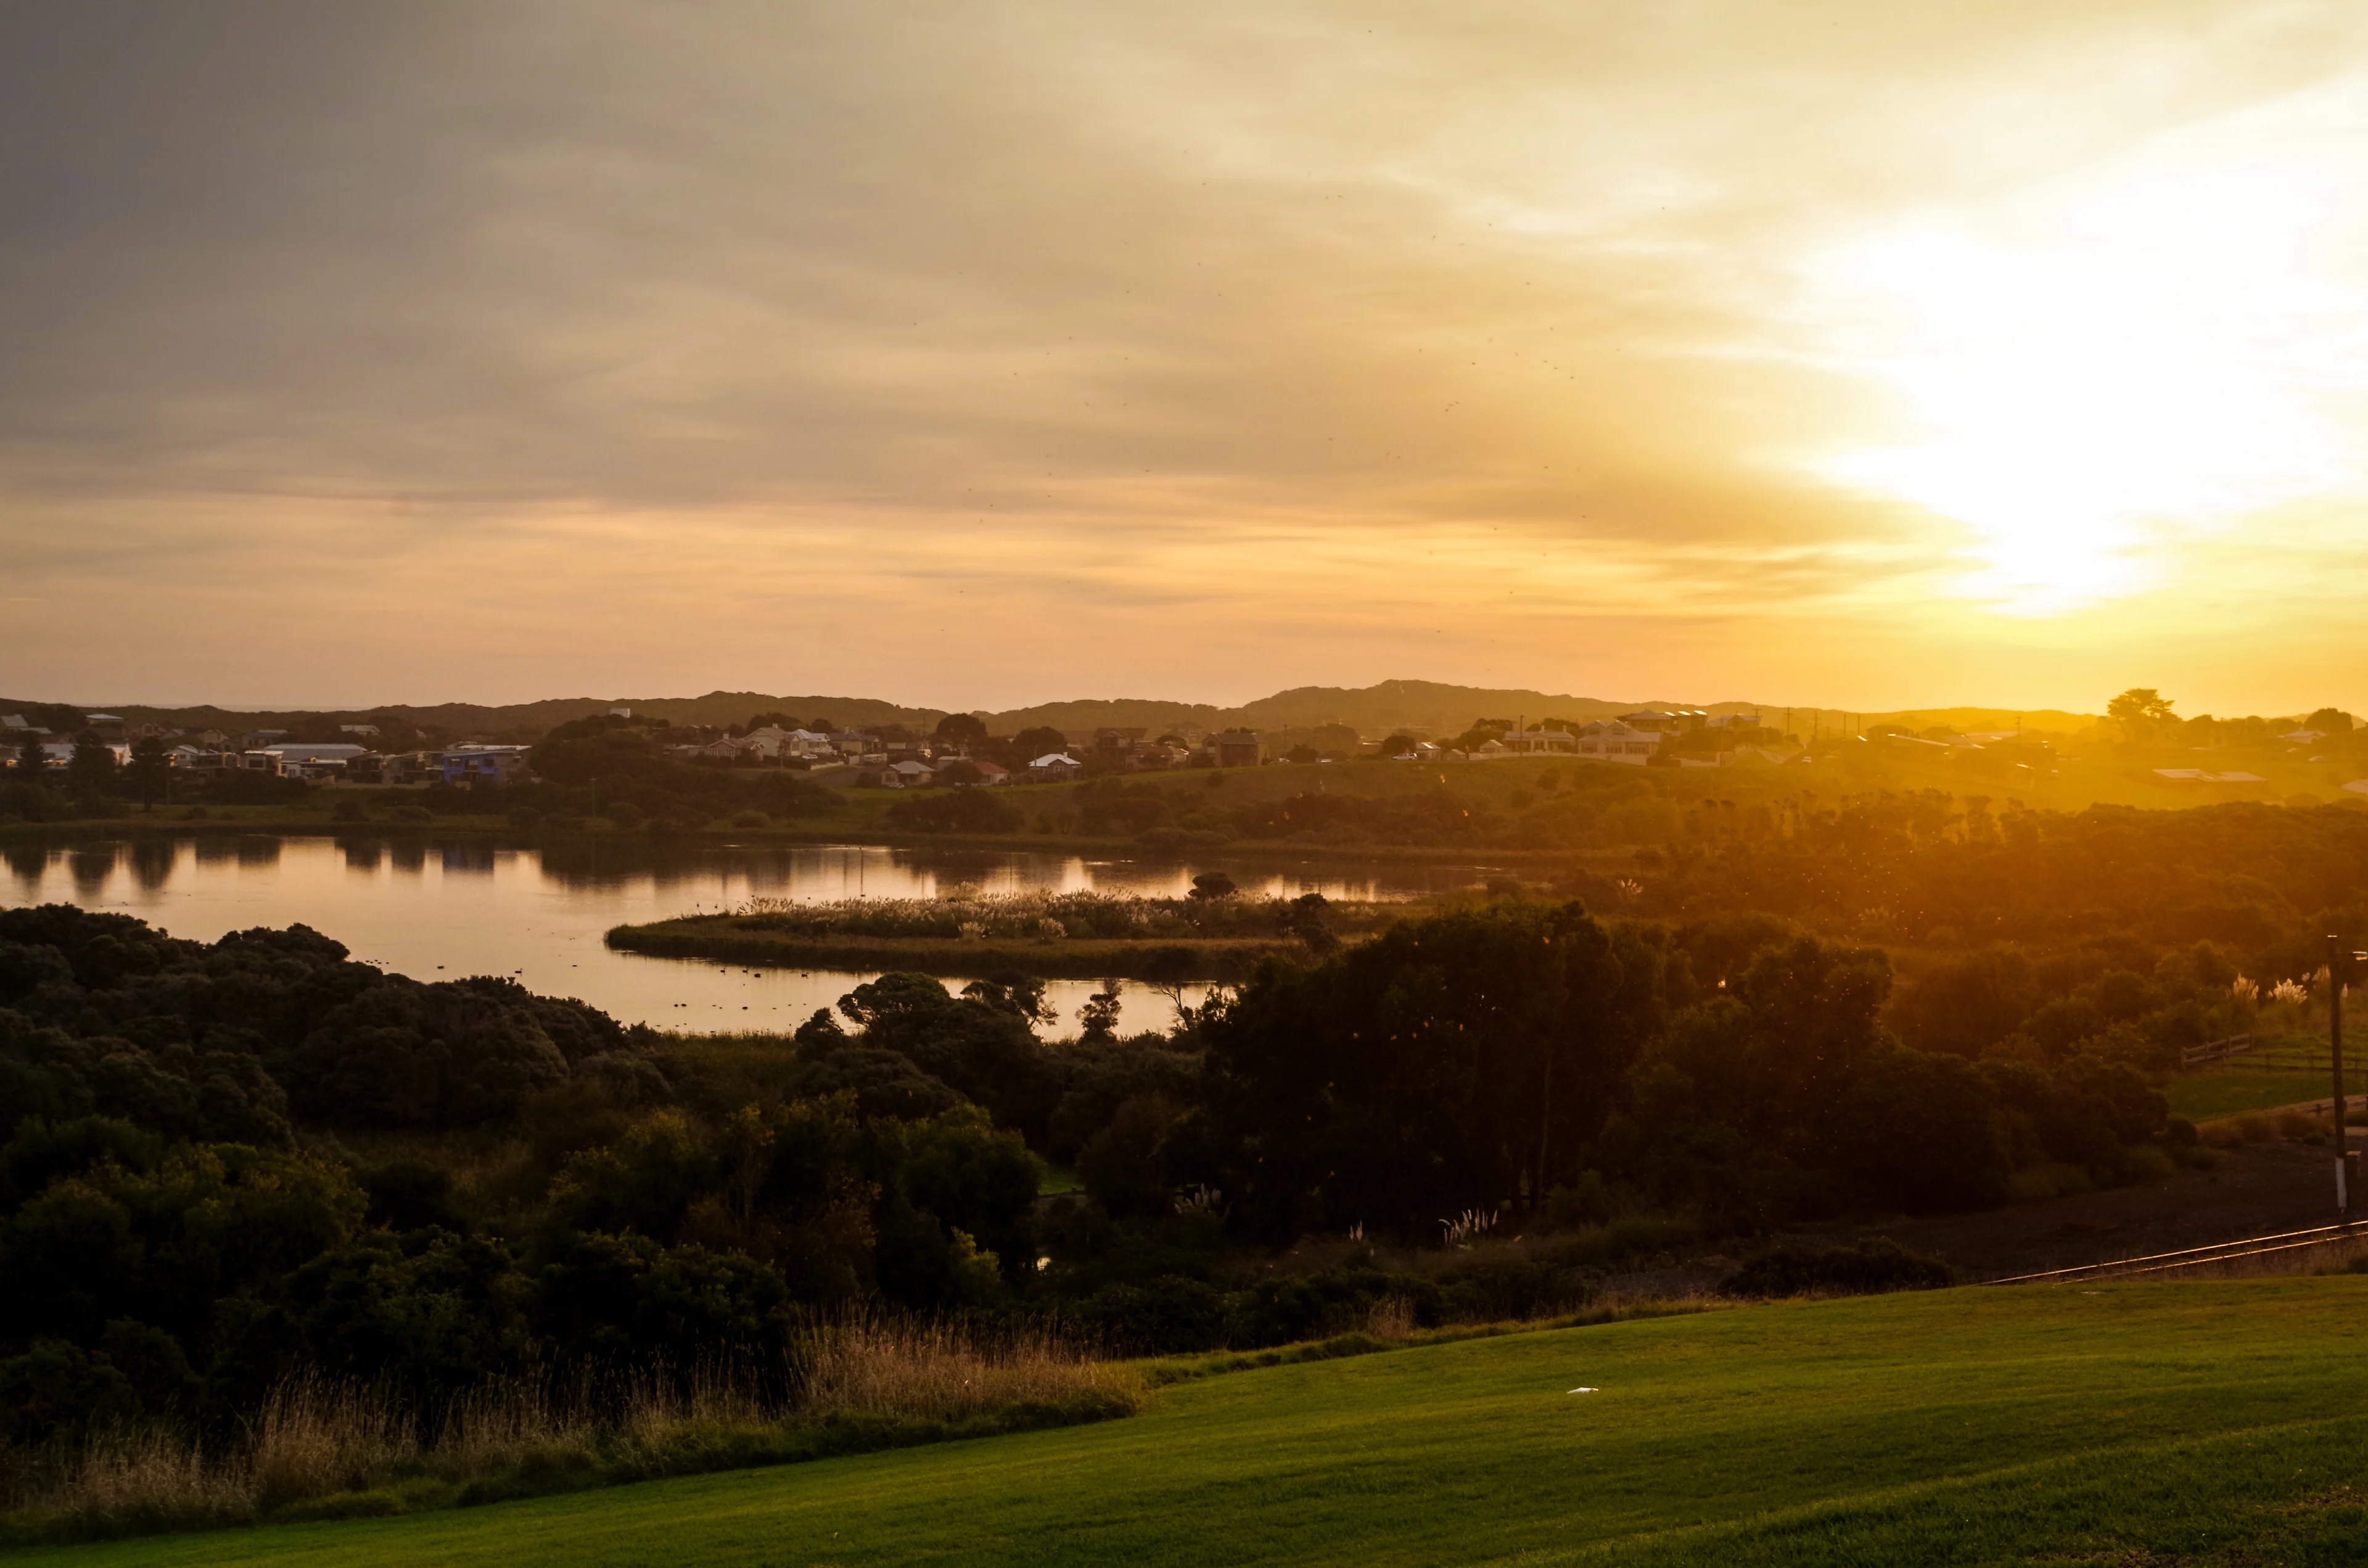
(302, 759)
(907, 775)
(357, 728)
(476, 763)
(309, 751)
(1054, 767)
(1616, 740)
(772, 743)
(1234, 748)
(991, 772)
(1542, 742)
(1666, 720)
(1116, 748)
(1734, 721)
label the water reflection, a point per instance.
(466, 907)
(466, 860)
(91, 868)
(152, 862)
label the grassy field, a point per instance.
(2117, 1424)
(2204, 1096)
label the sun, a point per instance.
(2132, 356)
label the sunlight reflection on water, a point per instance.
(442, 910)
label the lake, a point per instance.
(443, 909)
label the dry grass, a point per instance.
(1392, 1318)
(936, 1373)
(321, 1447)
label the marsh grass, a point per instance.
(323, 1449)
(1024, 917)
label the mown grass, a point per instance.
(2208, 1095)
(2113, 1424)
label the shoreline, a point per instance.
(160, 825)
(1216, 959)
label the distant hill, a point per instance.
(1372, 710)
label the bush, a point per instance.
(954, 811)
(1870, 1268)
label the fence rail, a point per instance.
(2214, 1050)
(2190, 1257)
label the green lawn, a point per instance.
(2116, 1424)
(2207, 1095)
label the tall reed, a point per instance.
(316, 1439)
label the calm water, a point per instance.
(442, 911)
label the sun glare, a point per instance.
(2125, 361)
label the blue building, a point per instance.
(485, 765)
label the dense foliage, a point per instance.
(546, 1192)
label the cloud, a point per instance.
(775, 333)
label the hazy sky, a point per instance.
(1809, 351)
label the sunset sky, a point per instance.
(1866, 355)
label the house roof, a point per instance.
(1056, 759)
(2206, 776)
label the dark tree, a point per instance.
(1041, 740)
(151, 773)
(1450, 1063)
(92, 769)
(1099, 1015)
(961, 729)
(2142, 712)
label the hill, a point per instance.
(1375, 710)
(2121, 1424)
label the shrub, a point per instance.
(954, 811)
(1870, 1268)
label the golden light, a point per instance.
(2121, 358)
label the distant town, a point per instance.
(958, 753)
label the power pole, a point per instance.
(2335, 1050)
(2339, 960)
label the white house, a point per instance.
(1054, 767)
(1616, 741)
(302, 759)
(907, 775)
(1536, 743)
